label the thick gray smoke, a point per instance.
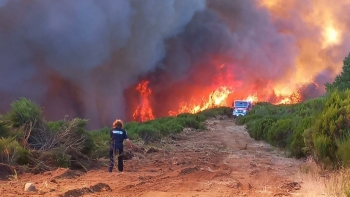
(235, 33)
(82, 54)
(239, 33)
(84, 57)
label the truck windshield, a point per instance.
(241, 104)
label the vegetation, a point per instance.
(318, 127)
(341, 82)
(26, 138)
(283, 125)
(154, 130)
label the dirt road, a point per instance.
(222, 161)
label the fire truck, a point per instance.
(241, 107)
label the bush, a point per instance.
(343, 151)
(258, 129)
(56, 158)
(209, 113)
(148, 133)
(297, 144)
(11, 152)
(72, 135)
(213, 112)
(331, 126)
(23, 111)
(55, 126)
(131, 129)
(155, 129)
(324, 149)
(63, 160)
(4, 130)
(280, 132)
(26, 121)
(249, 117)
(173, 127)
(284, 125)
(342, 81)
(192, 122)
(101, 137)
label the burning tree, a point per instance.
(144, 111)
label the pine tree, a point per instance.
(342, 81)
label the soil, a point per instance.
(221, 161)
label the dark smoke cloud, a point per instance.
(77, 56)
(240, 33)
(235, 33)
(317, 87)
(84, 57)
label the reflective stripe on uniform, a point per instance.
(117, 132)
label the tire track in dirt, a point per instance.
(258, 166)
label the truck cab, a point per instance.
(241, 107)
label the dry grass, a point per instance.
(317, 182)
(14, 177)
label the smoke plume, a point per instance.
(85, 57)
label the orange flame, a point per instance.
(252, 98)
(144, 111)
(216, 98)
(295, 97)
(222, 88)
(325, 16)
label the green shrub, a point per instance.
(63, 160)
(249, 117)
(101, 137)
(342, 81)
(280, 132)
(183, 115)
(172, 127)
(76, 134)
(285, 125)
(148, 133)
(213, 112)
(209, 113)
(23, 111)
(331, 126)
(4, 130)
(192, 122)
(54, 126)
(179, 120)
(69, 134)
(131, 125)
(131, 130)
(297, 145)
(258, 129)
(102, 151)
(56, 158)
(343, 151)
(11, 152)
(324, 149)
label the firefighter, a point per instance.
(118, 135)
